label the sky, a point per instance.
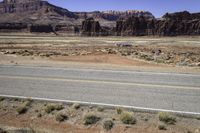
(157, 7)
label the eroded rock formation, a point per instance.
(16, 15)
(41, 28)
(7, 27)
(90, 27)
(181, 23)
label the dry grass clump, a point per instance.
(51, 107)
(166, 118)
(76, 106)
(24, 107)
(127, 118)
(100, 109)
(119, 110)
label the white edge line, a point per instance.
(103, 104)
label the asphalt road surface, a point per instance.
(164, 91)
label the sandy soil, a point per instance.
(114, 62)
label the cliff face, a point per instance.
(37, 14)
(181, 23)
(113, 15)
(18, 6)
(33, 10)
(185, 15)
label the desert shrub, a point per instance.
(16, 99)
(166, 118)
(162, 127)
(2, 99)
(100, 109)
(50, 108)
(127, 118)
(58, 107)
(91, 119)
(108, 124)
(61, 117)
(21, 109)
(76, 106)
(119, 110)
(39, 115)
(3, 131)
(198, 117)
(27, 103)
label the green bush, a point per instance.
(61, 117)
(127, 118)
(21, 109)
(166, 118)
(91, 119)
(50, 108)
(108, 124)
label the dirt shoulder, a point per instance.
(63, 117)
(108, 62)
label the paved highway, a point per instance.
(163, 91)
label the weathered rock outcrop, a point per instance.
(6, 27)
(41, 28)
(16, 15)
(90, 27)
(17, 6)
(27, 6)
(113, 15)
(39, 11)
(182, 23)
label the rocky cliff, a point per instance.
(41, 16)
(180, 23)
(38, 11)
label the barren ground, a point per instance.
(37, 119)
(179, 54)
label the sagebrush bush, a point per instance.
(108, 124)
(91, 119)
(2, 99)
(21, 109)
(76, 106)
(162, 127)
(61, 117)
(119, 110)
(100, 109)
(166, 118)
(51, 107)
(127, 118)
